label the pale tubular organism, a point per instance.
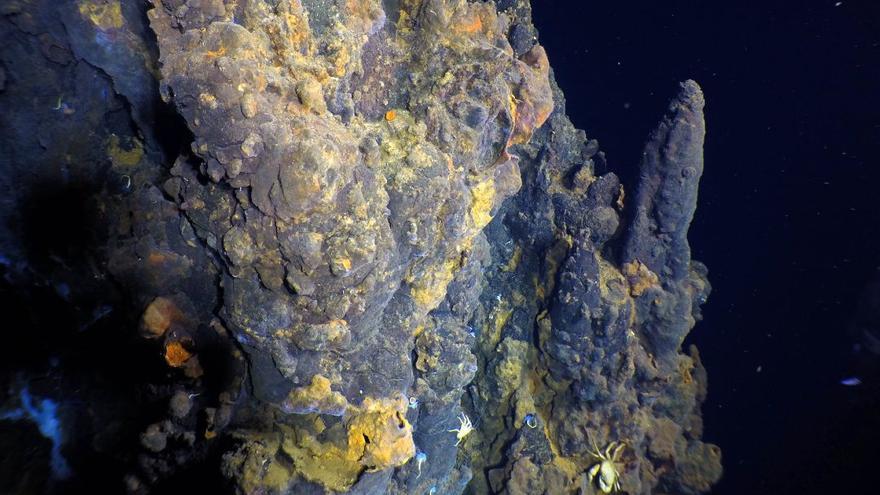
(463, 430)
(421, 457)
(606, 467)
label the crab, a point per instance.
(606, 467)
(463, 430)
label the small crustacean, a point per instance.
(605, 472)
(463, 430)
(413, 402)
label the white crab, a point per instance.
(463, 430)
(606, 469)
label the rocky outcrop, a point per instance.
(337, 233)
(582, 325)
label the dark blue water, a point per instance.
(789, 214)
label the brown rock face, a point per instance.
(344, 215)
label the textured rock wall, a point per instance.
(333, 230)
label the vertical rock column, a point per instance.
(656, 242)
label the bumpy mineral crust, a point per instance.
(380, 219)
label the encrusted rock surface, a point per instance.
(328, 229)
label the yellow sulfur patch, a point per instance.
(376, 437)
(316, 396)
(430, 291)
(483, 198)
(514, 260)
(418, 330)
(640, 277)
(121, 157)
(379, 436)
(104, 15)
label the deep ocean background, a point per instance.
(789, 212)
